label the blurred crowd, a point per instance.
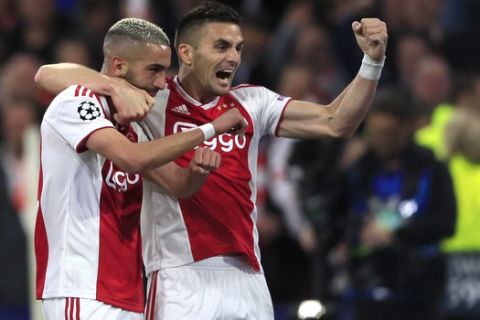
(380, 226)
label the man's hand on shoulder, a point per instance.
(132, 103)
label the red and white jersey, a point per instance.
(87, 234)
(220, 218)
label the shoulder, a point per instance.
(76, 99)
(246, 88)
(77, 93)
(251, 92)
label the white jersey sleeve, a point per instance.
(266, 106)
(76, 113)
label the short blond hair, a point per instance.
(130, 31)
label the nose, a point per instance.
(233, 55)
(160, 81)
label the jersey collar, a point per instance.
(191, 100)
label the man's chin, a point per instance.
(222, 90)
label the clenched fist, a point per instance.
(372, 36)
(205, 160)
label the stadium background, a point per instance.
(300, 48)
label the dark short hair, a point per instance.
(210, 11)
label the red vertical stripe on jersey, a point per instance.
(84, 91)
(67, 300)
(71, 308)
(77, 307)
(41, 240)
(153, 298)
(120, 281)
(149, 298)
(77, 90)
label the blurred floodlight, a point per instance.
(310, 309)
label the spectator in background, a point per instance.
(13, 269)
(401, 206)
(8, 21)
(73, 49)
(17, 116)
(431, 91)
(257, 37)
(459, 139)
(287, 237)
(96, 17)
(18, 112)
(40, 26)
(410, 49)
(16, 79)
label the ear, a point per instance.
(185, 53)
(119, 66)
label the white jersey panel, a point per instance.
(70, 197)
(220, 218)
(266, 108)
(165, 240)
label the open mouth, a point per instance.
(224, 74)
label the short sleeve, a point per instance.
(76, 117)
(274, 108)
(264, 105)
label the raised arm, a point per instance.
(132, 103)
(343, 116)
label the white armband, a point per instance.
(208, 130)
(371, 69)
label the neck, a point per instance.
(105, 70)
(191, 86)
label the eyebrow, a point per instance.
(221, 40)
(157, 66)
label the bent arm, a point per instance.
(132, 104)
(184, 182)
(143, 156)
(54, 78)
(341, 118)
(140, 157)
(179, 182)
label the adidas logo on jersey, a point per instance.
(181, 109)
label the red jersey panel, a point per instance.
(220, 218)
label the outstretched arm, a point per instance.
(132, 103)
(343, 116)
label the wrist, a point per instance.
(371, 69)
(208, 131)
(106, 86)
